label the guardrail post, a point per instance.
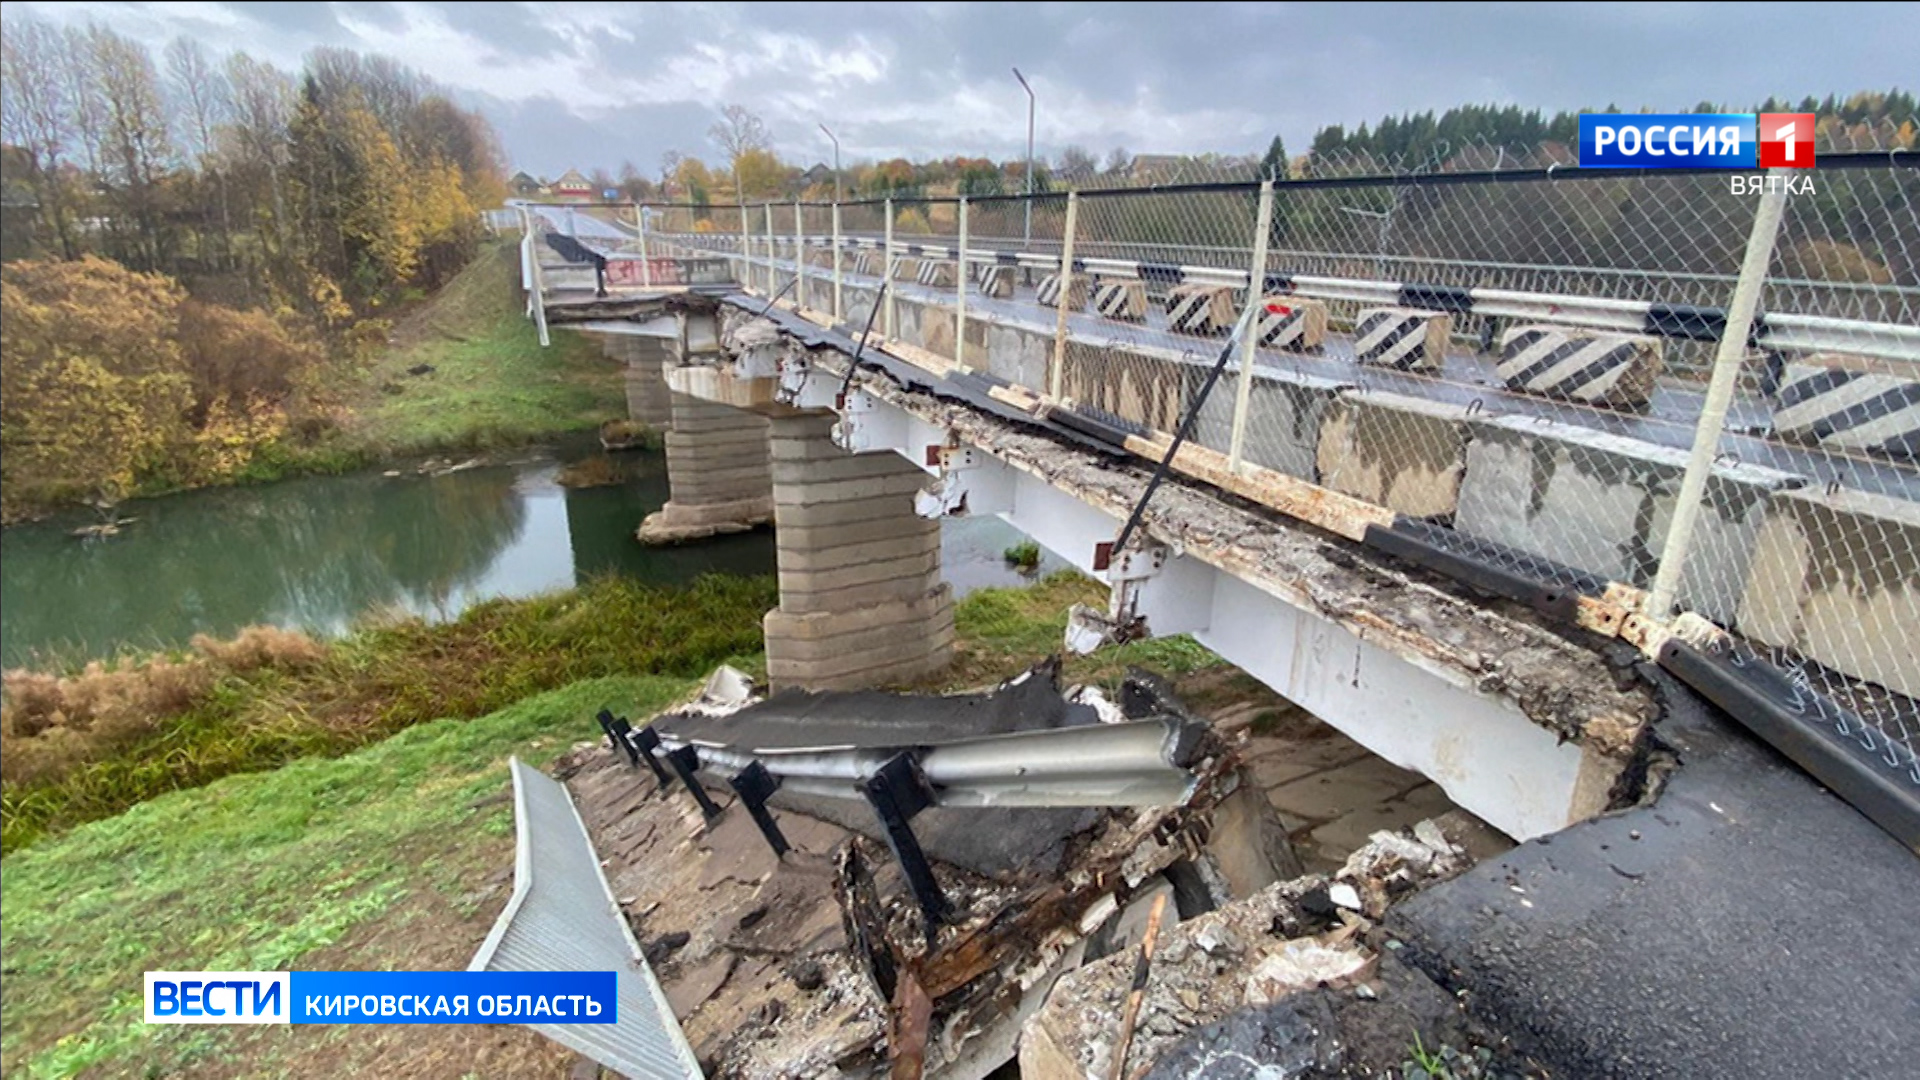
(886, 272)
(960, 293)
(839, 310)
(540, 300)
(646, 268)
(526, 257)
(1727, 360)
(772, 250)
(746, 251)
(1250, 343)
(799, 258)
(1056, 378)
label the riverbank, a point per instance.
(486, 382)
(399, 854)
(461, 372)
(87, 745)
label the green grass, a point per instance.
(492, 384)
(1002, 632)
(373, 855)
(1024, 556)
(255, 872)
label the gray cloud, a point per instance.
(595, 85)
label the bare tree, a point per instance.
(202, 101)
(1076, 162)
(739, 131)
(1118, 159)
(34, 113)
(383, 86)
(669, 168)
(86, 113)
(136, 129)
(263, 98)
(200, 95)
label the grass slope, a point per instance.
(257, 872)
(392, 856)
(491, 384)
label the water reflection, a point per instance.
(318, 553)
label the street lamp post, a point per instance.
(1027, 231)
(836, 162)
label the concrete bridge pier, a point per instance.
(647, 400)
(717, 475)
(861, 600)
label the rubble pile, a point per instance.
(1296, 974)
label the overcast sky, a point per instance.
(585, 84)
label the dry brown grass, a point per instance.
(80, 746)
(55, 723)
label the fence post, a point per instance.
(539, 295)
(1057, 377)
(1727, 360)
(746, 251)
(1249, 344)
(773, 279)
(960, 293)
(839, 312)
(526, 257)
(799, 258)
(646, 267)
(886, 273)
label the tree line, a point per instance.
(327, 192)
(200, 251)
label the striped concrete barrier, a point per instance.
(1121, 300)
(1050, 291)
(906, 269)
(1839, 401)
(935, 275)
(1293, 323)
(1600, 369)
(996, 281)
(1405, 338)
(1200, 309)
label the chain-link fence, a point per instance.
(1541, 364)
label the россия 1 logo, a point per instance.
(1696, 141)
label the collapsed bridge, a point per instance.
(1491, 518)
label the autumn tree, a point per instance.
(757, 174)
(92, 387)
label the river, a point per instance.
(320, 552)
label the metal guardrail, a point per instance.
(1137, 763)
(563, 917)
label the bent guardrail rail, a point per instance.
(563, 917)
